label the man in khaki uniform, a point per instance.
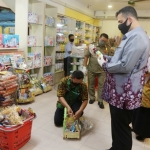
(94, 69)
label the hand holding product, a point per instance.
(101, 60)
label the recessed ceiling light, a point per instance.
(109, 6)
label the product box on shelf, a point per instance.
(49, 41)
(9, 41)
(47, 60)
(1, 41)
(18, 60)
(48, 77)
(50, 21)
(5, 58)
(37, 60)
(33, 17)
(31, 40)
(30, 60)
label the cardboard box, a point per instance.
(33, 17)
(47, 60)
(10, 41)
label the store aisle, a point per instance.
(45, 136)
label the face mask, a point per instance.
(102, 43)
(71, 40)
(75, 84)
(123, 27)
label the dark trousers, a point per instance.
(59, 113)
(121, 132)
(67, 65)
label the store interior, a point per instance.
(33, 35)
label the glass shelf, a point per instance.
(59, 71)
(34, 24)
(48, 65)
(76, 56)
(60, 51)
(59, 59)
(48, 26)
(49, 46)
(34, 46)
(9, 48)
(34, 68)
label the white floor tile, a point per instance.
(45, 136)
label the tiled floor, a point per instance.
(45, 136)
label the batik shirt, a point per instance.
(62, 89)
(125, 71)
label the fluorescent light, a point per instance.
(59, 25)
(109, 6)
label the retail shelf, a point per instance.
(8, 48)
(34, 24)
(60, 51)
(76, 56)
(48, 65)
(50, 26)
(59, 71)
(49, 46)
(59, 59)
(34, 46)
(34, 68)
(75, 64)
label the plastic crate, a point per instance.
(14, 138)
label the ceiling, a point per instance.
(98, 5)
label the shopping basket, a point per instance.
(14, 138)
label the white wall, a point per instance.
(61, 4)
(9, 3)
(2, 4)
(111, 27)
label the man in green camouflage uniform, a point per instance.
(94, 69)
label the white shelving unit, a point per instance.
(88, 33)
(40, 30)
(50, 30)
(80, 32)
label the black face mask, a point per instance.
(71, 40)
(123, 27)
(75, 84)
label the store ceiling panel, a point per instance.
(99, 5)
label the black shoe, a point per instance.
(91, 101)
(101, 105)
(139, 138)
(110, 148)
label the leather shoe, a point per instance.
(140, 138)
(101, 105)
(91, 101)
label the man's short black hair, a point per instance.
(127, 11)
(70, 35)
(104, 35)
(78, 74)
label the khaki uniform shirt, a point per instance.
(93, 64)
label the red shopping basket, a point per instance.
(15, 137)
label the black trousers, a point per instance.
(59, 113)
(67, 65)
(121, 132)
